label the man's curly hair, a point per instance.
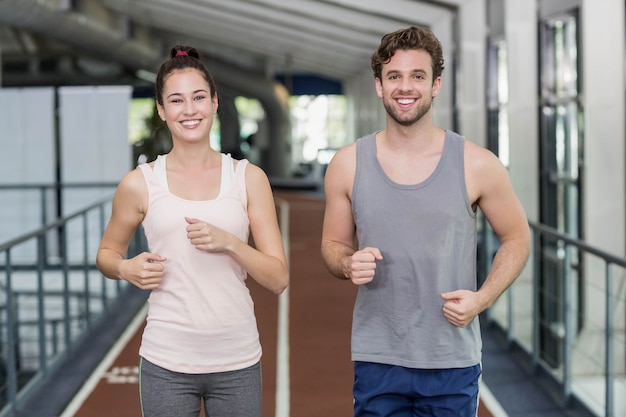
(408, 39)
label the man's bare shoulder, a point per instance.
(480, 158)
(348, 151)
(341, 169)
(485, 174)
(343, 163)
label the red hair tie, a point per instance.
(182, 53)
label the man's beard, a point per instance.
(407, 119)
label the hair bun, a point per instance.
(183, 50)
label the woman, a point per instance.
(197, 207)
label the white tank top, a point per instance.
(201, 318)
(160, 170)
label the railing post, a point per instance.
(536, 321)
(44, 217)
(568, 320)
(609, 365)
(55, 336)
(509, 314)
(41, 325)
(86, 270)
(66, 290)
(103, 294)
(43, 202)
(11, 342)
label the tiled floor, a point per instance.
(520, 391)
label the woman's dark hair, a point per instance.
(182, 57)
(408, 39)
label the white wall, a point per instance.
(603, 75)
(26, 156)
(94, 149)
(443, 105)
(94, 140)
(365, 110)
(472, 85)
(521, 39)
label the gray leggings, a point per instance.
(226, 394)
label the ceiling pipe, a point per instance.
(80, 31)
(96, 39)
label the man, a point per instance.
(400, 223)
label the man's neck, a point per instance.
(415, 138)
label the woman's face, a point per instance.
(188, 108)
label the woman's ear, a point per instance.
(161, 111)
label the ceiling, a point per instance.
(53, 42)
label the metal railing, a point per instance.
(51, 296)
(568, 312)
(37, 204)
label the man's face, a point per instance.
(406, 86)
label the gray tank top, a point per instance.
(427, 235)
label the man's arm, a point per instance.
(506, 216)
(339, 248)
(338, 231)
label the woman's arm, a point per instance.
(144, 270)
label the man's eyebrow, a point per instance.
(414, 71)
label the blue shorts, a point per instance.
(386, 390)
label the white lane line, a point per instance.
(490, 401)
(282, 344)
(110, 357)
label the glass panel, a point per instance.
(566, 56)
(498, 100)
(561, 143)
(503, 101)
